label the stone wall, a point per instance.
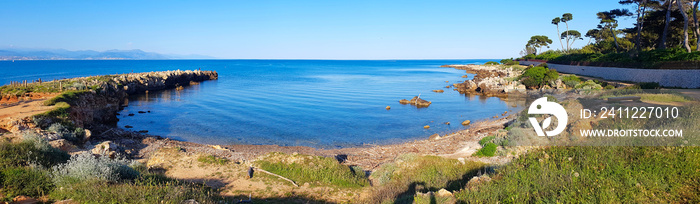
(665, 77)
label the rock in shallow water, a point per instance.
(418, 102)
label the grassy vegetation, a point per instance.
(398, 181)
(488, 150)
(595, 174)
(66, 97)
(664, 96)
(210, 159)
(313, 169)
(145, 189)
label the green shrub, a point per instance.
(536, 77)
(486, 139)
(313, 169)
(590, 84)
(649, 85)
(509, 62)
(504, 61)
(488, 150)
(491, 63)
(609, 87)
(571, 80)
(86, 167)
(25, 181)
(76, 135)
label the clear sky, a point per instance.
(299, 29)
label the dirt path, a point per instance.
(23, 109)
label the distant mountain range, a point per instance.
(61, 54)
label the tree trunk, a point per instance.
(559, 36)
(666, 24)
(685, 25)
(641, 8)
(697, 28)
(567, 37)
(617, 47)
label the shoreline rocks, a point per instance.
(418, 102)
(489, 80)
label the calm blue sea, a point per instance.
(318, 103)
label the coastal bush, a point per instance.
(609, 87)
(536, 77)
(25, 181)
(590, 84)
(571, 80)
(509, 62)
(486, 139)
(313, 169)
(594, 174)
(411, 173)
(75, 135)
(488, 150)
(32, 150)
(491, 63)
(86, 167)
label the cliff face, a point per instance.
(101, 107)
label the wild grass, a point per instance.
(145, 189)
(210, 159)
(313, 169)
(32, 150)
(398, 181)
(595, 174)
(66, 96)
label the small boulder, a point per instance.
(107, 148)
(63, 145)
(466, 122)
(434, 137)
(142, 111)
(443, 193)
(143, 131)
(438, 91)
(69, 201)
(418, 102)
(128, 126)
(426, 127)
(388, 107)
(131, 114)
(24, 200)
(447, 123)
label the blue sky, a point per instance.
(295, 29)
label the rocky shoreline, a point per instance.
(489, 81)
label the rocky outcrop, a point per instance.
(416, 101)
(489, 80)
(101, 107)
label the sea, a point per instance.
(316, 103)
